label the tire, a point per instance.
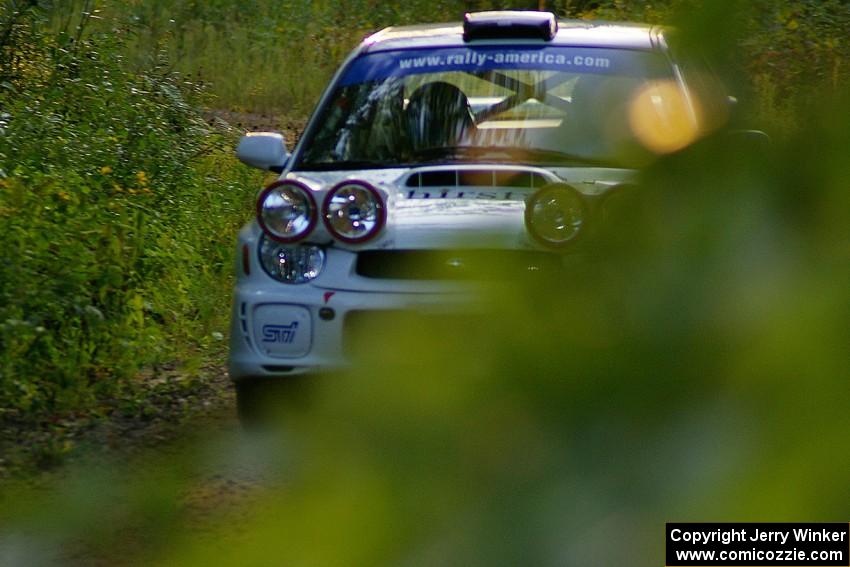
(249, 403)
(264, 402)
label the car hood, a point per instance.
(468, 206)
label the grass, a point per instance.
(274, 57)
(693, 367)
(114, 254)
(119, 203)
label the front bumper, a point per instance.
(278, 330)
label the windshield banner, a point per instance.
(621, 62)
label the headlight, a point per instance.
(286, 211)
(555, 215)
(354, 212)
(294, 264)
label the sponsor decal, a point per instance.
(283, 334)
(600, 61)
(438, 193)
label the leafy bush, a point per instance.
(110, 240)
(788, 55)
(287, 50)
(694, 367)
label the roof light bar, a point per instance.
(509, 24)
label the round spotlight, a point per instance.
(354, 212)
(555, 215)
(287, 211)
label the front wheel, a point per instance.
(262, 402)
(249, 402)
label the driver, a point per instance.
(438, 115)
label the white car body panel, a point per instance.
(415, 222)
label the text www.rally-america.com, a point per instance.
(500, 58)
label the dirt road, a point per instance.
(130, 487)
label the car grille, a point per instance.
(456, 264)
(477, 178)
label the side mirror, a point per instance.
(263, 150)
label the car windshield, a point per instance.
(551, 105)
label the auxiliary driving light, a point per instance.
(555, 215)
(354, 212)
(287, 211)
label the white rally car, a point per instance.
(437, 148)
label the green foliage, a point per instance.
(783, 56)
(266, 55)
(782, 52)
(693, 366)
(270, 55)
(113, 253)
(797, 56)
